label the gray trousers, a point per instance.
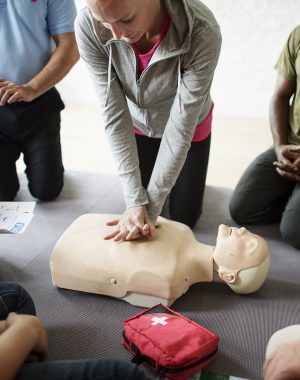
(262, 196)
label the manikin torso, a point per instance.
(158, 269)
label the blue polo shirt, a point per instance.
(26, 30)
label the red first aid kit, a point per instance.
(169, 343)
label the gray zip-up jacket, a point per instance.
(168, 100)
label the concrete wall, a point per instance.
(254, 32)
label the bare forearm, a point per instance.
(60, 63)
(279, 120)
(16, 343)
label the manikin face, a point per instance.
(238, 249)
(128, 20)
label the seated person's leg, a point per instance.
(14, 298)
(290, 226)
(104, 369)
(261, 194)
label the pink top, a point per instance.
(144, 58)
(203, 129)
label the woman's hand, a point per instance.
(134, 224)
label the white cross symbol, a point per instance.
(161, 321)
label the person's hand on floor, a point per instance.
(133, 225)
(288, 162)
(283, 363)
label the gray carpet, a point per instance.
(83, 325)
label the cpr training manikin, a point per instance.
(156, 269)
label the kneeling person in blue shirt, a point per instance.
(38, 49)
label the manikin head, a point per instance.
(128, 20)
(241, 259)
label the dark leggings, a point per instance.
(186, 196)
(34, 130)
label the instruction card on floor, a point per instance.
(15, 216)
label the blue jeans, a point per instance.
(102, 369)
(14, 298)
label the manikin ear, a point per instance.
(251, 279)
(229, 277)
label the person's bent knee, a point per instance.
(44, 192)
(290, 232)
(233, 210)
(8, 194)
(242, 210)
(15, 298)
(237, 211)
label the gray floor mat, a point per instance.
(89, 326)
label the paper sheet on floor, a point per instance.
(15, 216)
